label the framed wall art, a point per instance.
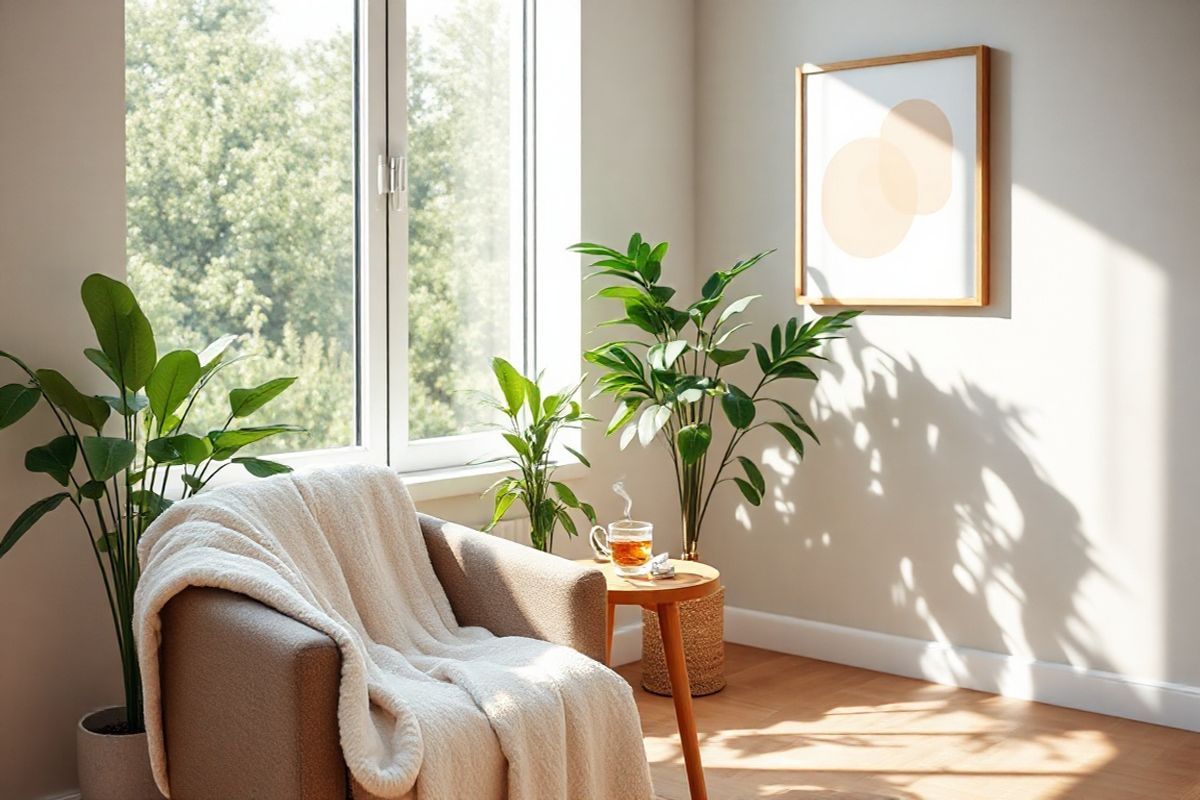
(892, 180)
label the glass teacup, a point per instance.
(628, 543)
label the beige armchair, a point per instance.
(250, 696)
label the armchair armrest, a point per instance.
(249, 701)
(513, 590)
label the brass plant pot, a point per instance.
(703, 624)
(113, 766)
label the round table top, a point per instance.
(692, 580)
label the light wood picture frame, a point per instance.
(893, 179)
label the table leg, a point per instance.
(672, 638)
(609, 620)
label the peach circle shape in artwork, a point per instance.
(920, 130)
(874, 187)
(866, 195)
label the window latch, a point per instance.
(392, 180)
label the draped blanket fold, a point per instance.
(453, 711)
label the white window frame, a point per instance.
(441, 466)
(551, 218)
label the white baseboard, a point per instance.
(67, 796)
(627, 644)
(1170, 704)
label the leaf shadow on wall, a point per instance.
(956, 535)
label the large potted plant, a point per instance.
(114, 460)
(531, 426)
(670, 382)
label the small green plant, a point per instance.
(531, 425)
(674, 378)
(118, 484)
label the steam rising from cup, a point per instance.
(619, 489)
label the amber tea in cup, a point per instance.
(628, 543)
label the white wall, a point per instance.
(1021, 479)
(62, 216)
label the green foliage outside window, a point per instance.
(240, 185)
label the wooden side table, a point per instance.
(692, 580)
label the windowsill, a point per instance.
(437, 484)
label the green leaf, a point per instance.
(792, 437)
(98, 358)
(736, 307)
(518, 444)
(664, 356)
(590, 248)
(635, 245)
(29, 518)
(56, 459)
(262, 468)
(226, 443)
(172, 380)
(91, 411)
(183, 448)
(651, 270)
(724, 358)
(742, 266)
(713, 286)
(752, 495)
(624, 413)
(588, 511)
(793, 369)
(121, 328)
(764, 360)
(796, 418)
(738, 407)
(512, 384)
(16, 401)
(565, 494)
(106, 542)
(578, 455)
(628, 435)
(567, 523)
(192, 482)
(107, 455)
(244, 402)
(503, 501)
(92, 490)
(533, 397)
(153, 502)
(693, 441)
(730, 332)
(753, 473)
(651, 422)
(621, 292)
(212, 355)
(127, 406)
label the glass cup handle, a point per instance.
(600, 543)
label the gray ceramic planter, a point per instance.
(112, 767)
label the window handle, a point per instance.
(392, 179)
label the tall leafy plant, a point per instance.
(116, 453)
(531, 426)
(670, 383)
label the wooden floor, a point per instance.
(790, 727)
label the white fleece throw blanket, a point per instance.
(423, 701)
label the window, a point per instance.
(240, 184)
(262, 199)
